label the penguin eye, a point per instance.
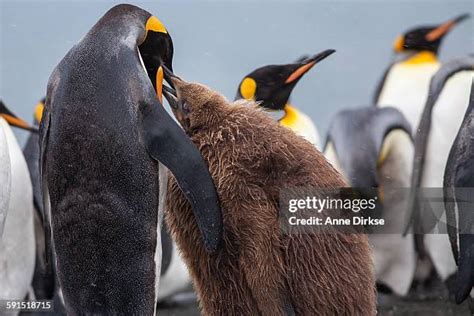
(185, 107)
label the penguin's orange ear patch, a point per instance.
(155, 25)
(398, 45)
(299, 72)
(248, 88)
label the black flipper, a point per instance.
(46, 213)
(459, 183)
(357, 136)
(167, 143)
(421, 139)
(380, 84)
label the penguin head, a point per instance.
(13, 120)
(272, 85)
(156, 50)
(426, 38)
(191, 101)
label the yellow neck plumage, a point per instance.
(291, 116)
(422, 57)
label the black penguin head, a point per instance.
(156, 50)
(13, 120)
(272, 85)
(426, 38)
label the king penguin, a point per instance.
(174, 276)
(106, 143)
(271, 87)
(458, 185)
(17, 239)
(405, 83)
(440, 121)
(373, 148)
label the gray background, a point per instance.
(218, 42)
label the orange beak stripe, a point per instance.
(299, 72)
(440, 31)
(159, 84)
(15, 121)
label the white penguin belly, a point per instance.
(17, 245)
(406, 88)
(176, 278)
(394, 254)
(447, 116)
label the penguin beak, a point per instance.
(444, 28)
(171, 97)
(13, 120)
(306, 65)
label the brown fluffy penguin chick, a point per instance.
(259, 270)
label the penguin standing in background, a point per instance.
(372, 148)
(271, 86)
(458, 186)
(106, 143)
(442, 116)
(43, 279)
(405, 84)
(17, 238)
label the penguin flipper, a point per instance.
(46, 210)
(459, 179)
(437, 84)
(167, 143)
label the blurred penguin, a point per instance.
(272, 85)
(372, 147)
(17, 240)
(440, 121)
(405, 84)
(458, 185)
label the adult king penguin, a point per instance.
(271, 87)
(105, 144)
(372, 147)
(458, 186)
(405, 84)
(17, 239)
(440, 121)
(174, 277)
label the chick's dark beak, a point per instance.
(171, 97)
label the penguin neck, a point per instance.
(291, 115)
(421, 58)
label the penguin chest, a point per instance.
(17, 246)
(406, 88)
(447, 116)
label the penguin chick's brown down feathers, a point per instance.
(259, 270)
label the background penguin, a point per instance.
(43, 279)
(17, 243)
(372, 147)
(458, 184)
(259, 270)
(405, 84)
(440, 121)
(105, 140)
(271, 87)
